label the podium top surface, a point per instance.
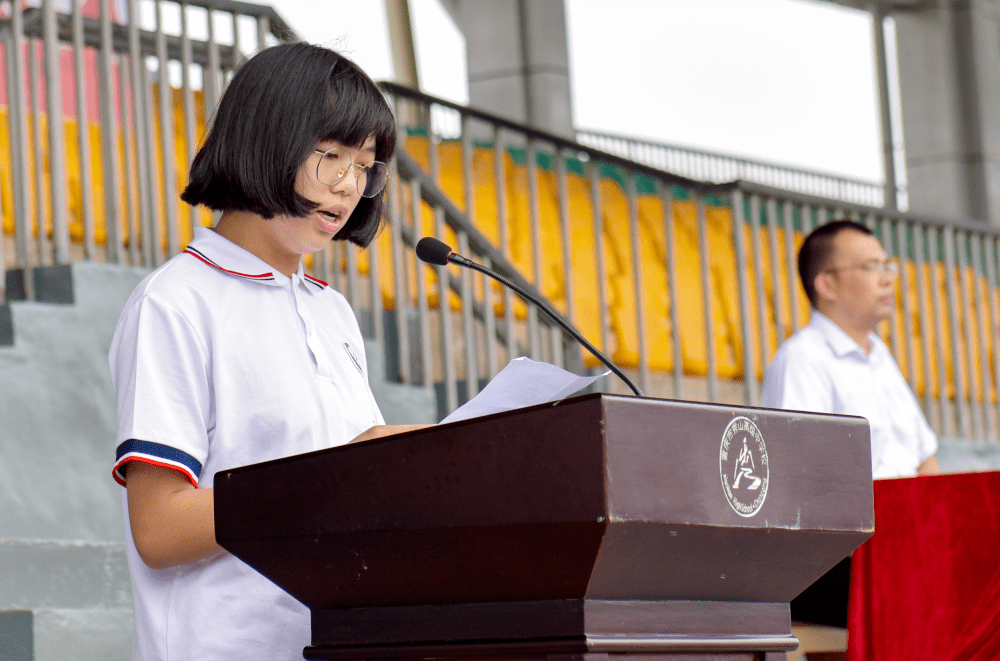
(596, 496)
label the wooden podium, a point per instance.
(600, 525)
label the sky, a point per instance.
(789, 81)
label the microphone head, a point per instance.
(432, 251)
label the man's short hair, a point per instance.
(816, 253)
(278, 107)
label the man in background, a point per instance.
(837, 364)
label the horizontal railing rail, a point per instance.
(718, 167)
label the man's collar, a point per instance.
(840, 342)
(220, 253)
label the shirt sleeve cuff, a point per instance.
(156, 454)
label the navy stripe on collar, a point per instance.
(260, 277)
(315, 281)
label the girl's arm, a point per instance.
(172, 521)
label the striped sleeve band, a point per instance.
(156, 454)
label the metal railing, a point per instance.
(136, 58)
(664, 254)
(947, 339)
(717, 167)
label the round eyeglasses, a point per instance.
(889, 267)
(335, 163)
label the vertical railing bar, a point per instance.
(959, 373)
(983, 300)
(83, 135)
(423, 314)
(137, 65)
(237, 54)
(57, 163)
(167, 161)
(109, 138)
(536, 247)
(210, 79)
(469, 324)
(353, 290)
(991, 274)
(329, 263)
(190, 115)
(640, 307)
(902, 251)
(444, 309)
(21, 175)
(321, 262)
(129, 138)
(597, 218)
(788, 209)
(338, 276)
(885, 229)
(772, 235)
(468, 296)
(263, 28)
(671, 265)
(503, 212)
(746, 325)
(375, 286)
(44, 252)
(573, 349)
(706, 287)
(919, 243)
(975, 414)
(399, 270)
(489, 323)
(947, 416)
(556, 354)
(153, 195)
(758, 274)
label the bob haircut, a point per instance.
(280, 105)
(816, 253)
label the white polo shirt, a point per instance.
(821, 369)
(220, 361)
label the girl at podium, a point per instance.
(229, 354)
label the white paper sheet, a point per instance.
(523, 382)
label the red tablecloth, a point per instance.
(927, 585)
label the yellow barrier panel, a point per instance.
(727, 341)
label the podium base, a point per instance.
(587, 630)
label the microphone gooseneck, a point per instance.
(432, 251)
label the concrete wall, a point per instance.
(518, 60)
(949, 67)
(62, 556)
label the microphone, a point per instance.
(432, 251)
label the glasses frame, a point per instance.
(889, 266)
(357, 175)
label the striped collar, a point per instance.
(222, 254)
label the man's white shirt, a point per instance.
(821, 369)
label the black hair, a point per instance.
(279, 106)
(816, 253)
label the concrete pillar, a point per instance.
(949, 67)
(518, 60)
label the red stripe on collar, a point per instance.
(259, 277)
(315, 281)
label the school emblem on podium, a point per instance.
(743, 466)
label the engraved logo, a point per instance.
(743, 466)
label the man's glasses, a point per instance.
(889, 266)
(335, 163)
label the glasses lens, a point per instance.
(372, 178)
(333, 166)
